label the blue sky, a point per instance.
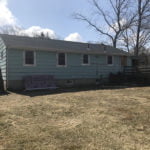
(55, 15)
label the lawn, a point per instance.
(104, 119)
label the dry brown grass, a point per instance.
(88, 120)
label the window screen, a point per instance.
(109, 60)
(29, 57)
(61, 59)
(85, 59)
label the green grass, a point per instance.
(117, 119)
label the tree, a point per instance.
(117, 20)
(138, 35)
(142, 28)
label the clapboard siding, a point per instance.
(46, 63)
(3, 59)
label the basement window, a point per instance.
(61, 58)
(29, 58)
(69, 82)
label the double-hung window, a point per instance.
(29, 58)
(110, 60)
(61, 59)
(85, 59)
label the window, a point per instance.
(61, 59)
(109, 60)
(85, 59)
(69, 82)
(29, 58)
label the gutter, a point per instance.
(122, 53)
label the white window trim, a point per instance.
(29, 65)
(65, 60)
(112, 60)
(88, 60)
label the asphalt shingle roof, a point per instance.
(22, 42)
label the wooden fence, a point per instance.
(143, 70)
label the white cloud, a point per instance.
(36, 31)
(6, 17)
(75, 37)
(9, 25)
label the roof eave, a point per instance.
(68, 51)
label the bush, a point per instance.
(116, 79)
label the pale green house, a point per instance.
(69, 62)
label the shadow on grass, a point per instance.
(35, 93)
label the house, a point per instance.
(69, 62)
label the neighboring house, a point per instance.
(69, 62)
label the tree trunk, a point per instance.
(114, 43)
(138, 28)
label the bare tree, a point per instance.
(126, 41)
(138, 35)
(117, 20)
(142, 28)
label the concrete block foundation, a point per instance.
(19, 84)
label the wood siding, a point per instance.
(3, 59)
(46, 64)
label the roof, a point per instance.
(30, 43)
